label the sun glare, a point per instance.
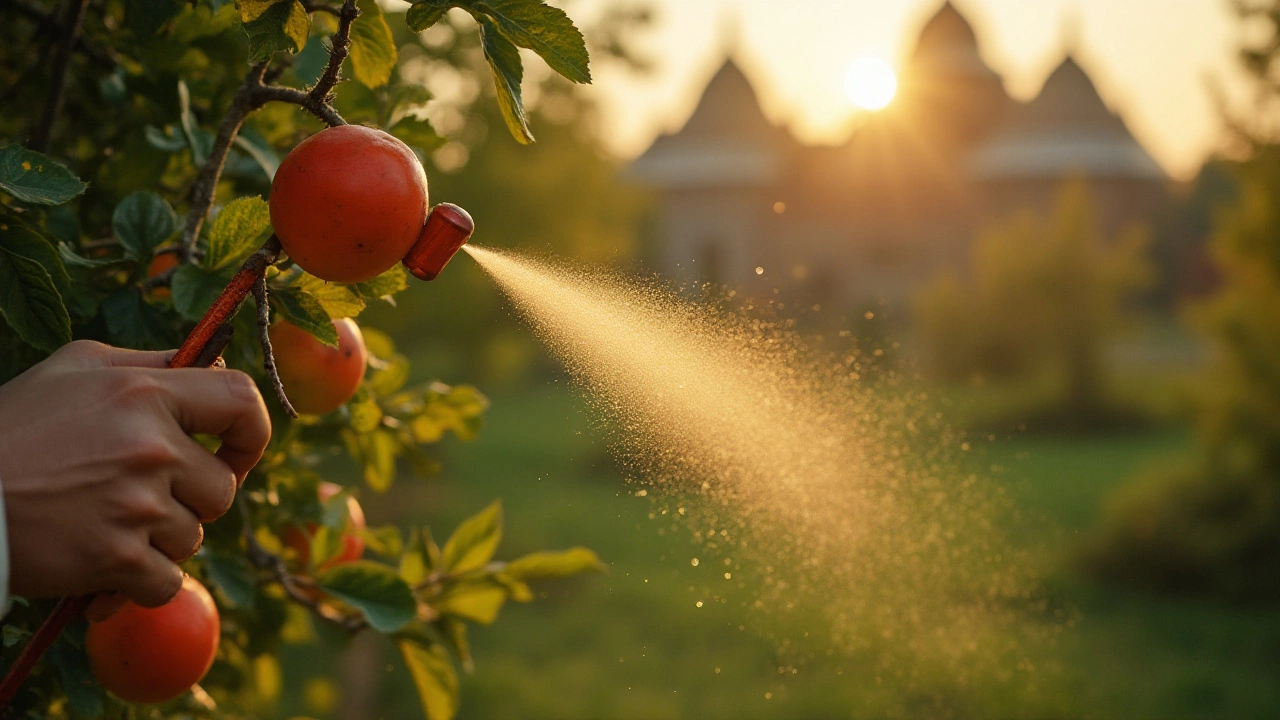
(870, 83)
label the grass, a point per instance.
(633, 643)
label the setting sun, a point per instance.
(870, 83)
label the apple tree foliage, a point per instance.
(132, 130)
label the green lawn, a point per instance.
(633, 644)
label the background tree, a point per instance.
(1213, 526)
(1042, 297)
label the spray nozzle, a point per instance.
(448, 227)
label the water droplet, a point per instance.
(699, 603)
(759, 271)
(694, 562)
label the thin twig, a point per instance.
(58, 83)
(295, 587)
(341, 45)
(264, 337)
(207, 180)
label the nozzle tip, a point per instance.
(448, 228)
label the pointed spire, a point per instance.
(730, 30)
(1072, 27)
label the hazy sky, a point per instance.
(1153, 60)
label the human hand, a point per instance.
(104, 488)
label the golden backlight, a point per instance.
(870, 83)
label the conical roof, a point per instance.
(1066, 129)
(949, 45)
(729, 108)
(727, 140)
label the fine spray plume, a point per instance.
(831, 513)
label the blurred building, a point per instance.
(875, 218)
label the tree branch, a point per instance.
(320, 108)
(341, 46)
(58, 83)
(207, 179)
(264, 337)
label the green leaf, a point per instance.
(232, 575)
(145, 17)
(417, 132)
(240, 228)
(475, 601)
(389, 378)
(25, 240)
(83, 693)
(13, 635)
(325, 545)
(133, 323)
(434, 677)
(542, 565)
(339, 301)
(373, 50)
(300, 308)
(142, 221)
(413, 563)
(475, 541)
(380, 451)
(164, 140)
(35, 178)
(384, 541)
(508, 72)
(366, 415)
(422, 15)
(195, 289)
(386, 285)
(272, 26)
(543, 29)
(375, 589)
(29, 297)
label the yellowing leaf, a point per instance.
(373, 51)
(539, 565)
(475, 541)
(477, 602)
(433, 677)
(508, 73)
(241, 226)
